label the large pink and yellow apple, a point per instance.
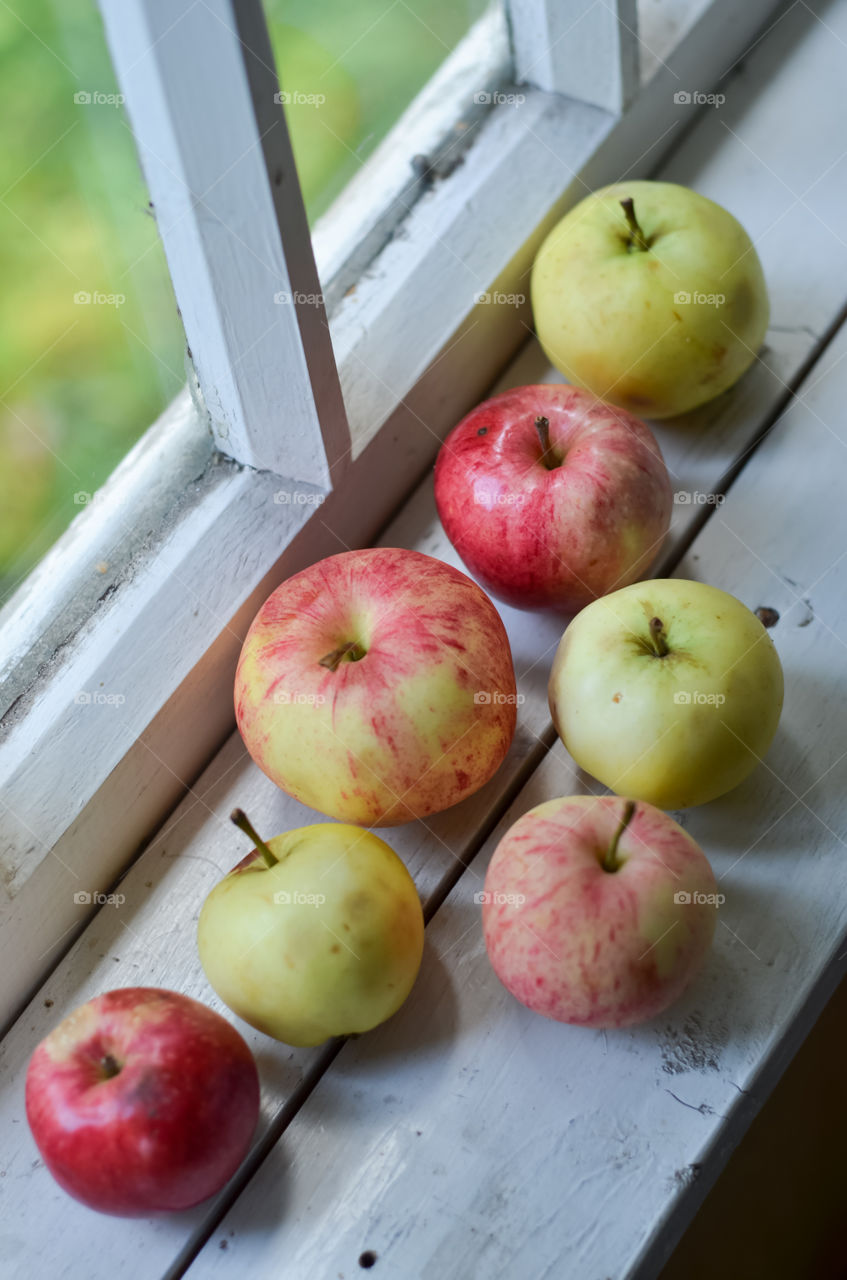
(598, 911)
(551, 497)
(377, 686)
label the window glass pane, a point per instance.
(91, 346)
(348, 69)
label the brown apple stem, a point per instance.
(610, 862)
(542, 426)
(658, 638)
(636, 235)
(239, 817)
(350, 652)
(109, 1066)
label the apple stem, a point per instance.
(610, 862)
(658, 639)
(239, 817)
(636, 235)
(542, 426)
(350, 652)
(110, 1066)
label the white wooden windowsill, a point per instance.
(167, 639)
(468, 1137)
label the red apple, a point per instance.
(552, 497)
(142, 1101)
(597, 910)
(377, 686)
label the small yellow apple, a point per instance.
(317, 933)
(651, 296)
(667, 691)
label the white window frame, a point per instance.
(414, 347)
(604, 68)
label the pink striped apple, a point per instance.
(552, 497)
(597, 910)
(377, 686)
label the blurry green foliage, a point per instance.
(80, 383)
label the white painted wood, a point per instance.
(191, 665)
(84, 808)
(150, 939)
(62, 591)
(467, 1137)
(791, 900)
(440, 124)
(586, 52)
(661, 25)
(104, 694)
(97, 838)
(507, 165)
(200, 83)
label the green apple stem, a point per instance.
(542, 426)
(350, 652)
(239, 817)
(636, 235)
(658, 638)
(610, 861)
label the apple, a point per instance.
(668, 691)
(316, 933)
(598, 911)
(377, 686)
(142, 1101)
(551, 497)
(651, 296)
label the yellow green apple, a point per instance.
(667, 691)
(318, 932)
(651, 296)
